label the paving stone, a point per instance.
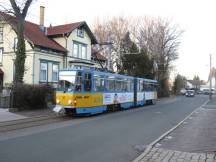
(173, 160)
(164, 155)
(210, 156)
(144, 159)
(182, 155)
(154, 149)
(210, 160)
(177, 152)
(194, 160)
(180, 160)
(202, 156)
(201, 160)
(169, 155)
(195, 156)
(188, 156)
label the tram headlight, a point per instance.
(75, 102)
(69, 102)
(57, 101)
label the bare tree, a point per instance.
(161, 40)
(112, 30)
(19, 10)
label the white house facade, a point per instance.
(47, 50)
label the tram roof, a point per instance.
(149, 80)
(104, 73)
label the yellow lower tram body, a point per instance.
(93, 103)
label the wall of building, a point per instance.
(73, 37)
(86, 40)
(9, 36)
(8, 57)
(61, 41)
(8, 68)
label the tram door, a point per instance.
(87, 82)
(135, 90)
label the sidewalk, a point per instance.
(5, 115)
(193, 141)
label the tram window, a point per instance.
(143, 83)
(66, 85)
(141, 86)
(118, 84)
(87, 82)
(111, 84)
(154, 87)
(146, 86)
(132, 85)
(149, 87)
(128, 86)
(124, 88)
(78, 86)
(99, 84)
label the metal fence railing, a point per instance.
(5, 99)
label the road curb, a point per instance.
(151, 145)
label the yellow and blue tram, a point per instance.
(88, 91)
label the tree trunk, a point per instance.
(20, 53)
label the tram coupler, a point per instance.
(59, 110)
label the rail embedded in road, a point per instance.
(30, 122)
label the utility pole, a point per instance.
(210, 74)
(109, 44)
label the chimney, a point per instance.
(42, 16)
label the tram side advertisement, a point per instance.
(115, 98)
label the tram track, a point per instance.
(8, 126)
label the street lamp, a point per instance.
(210, 86)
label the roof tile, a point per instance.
(34, 34)
(62, 29)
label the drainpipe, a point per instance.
(65, 60)
(33, 73)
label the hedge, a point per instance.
(26, 96)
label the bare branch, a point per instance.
(25, 9)
(15, 8)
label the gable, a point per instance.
(67, 29)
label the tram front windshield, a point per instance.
(67, 82)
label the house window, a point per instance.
(80, 32)
(1, 55)
(75, 49)
(1, 34)
(84, 52)
(55, 69)
(43, 71)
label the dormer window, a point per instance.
(80, 32)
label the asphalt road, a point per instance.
(113, 137)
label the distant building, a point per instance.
(48, 49)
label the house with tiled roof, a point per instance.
(48, 49)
